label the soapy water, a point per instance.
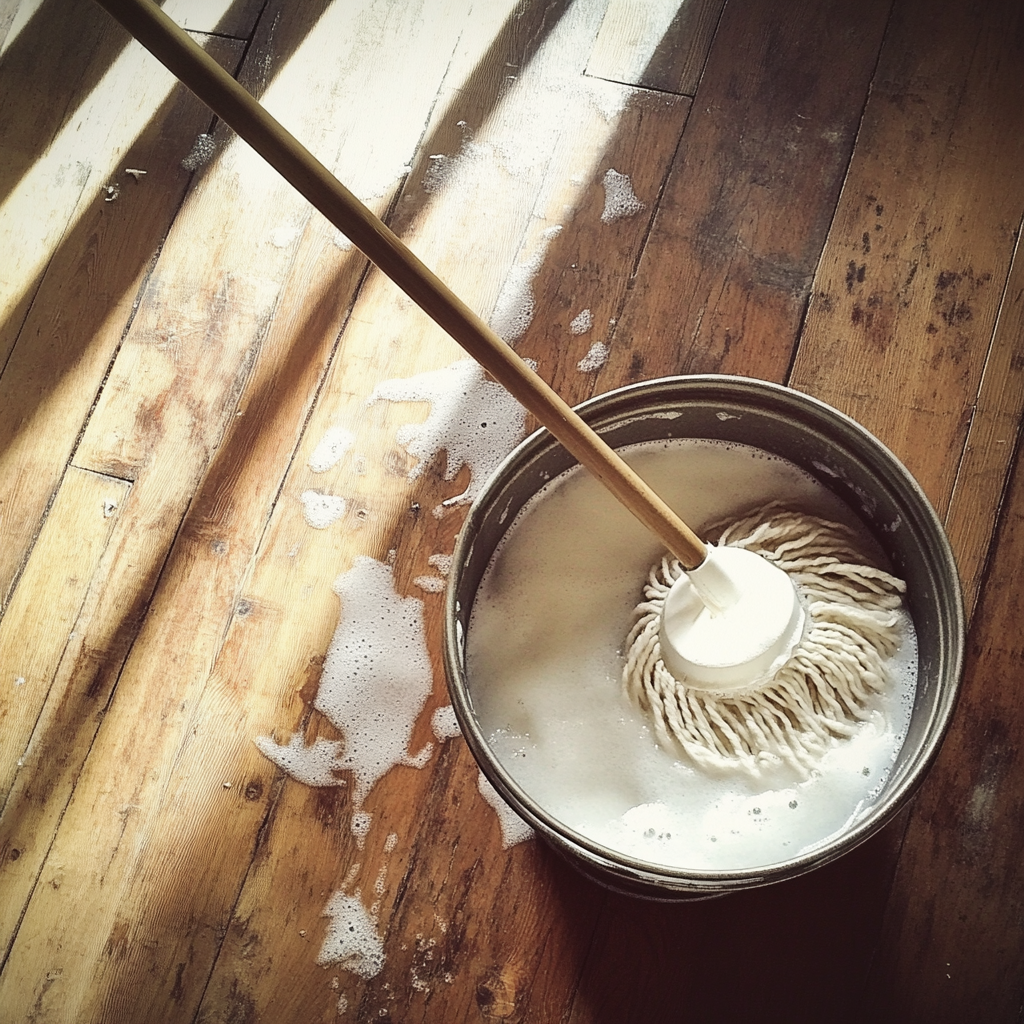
(619, 199)
(544, 667)
(444, 723)
(321, 510)
(474, 420)
(352, 941)
(582, 322)
(513, 828)
(331, 449)
(595, 358)
(376, 679)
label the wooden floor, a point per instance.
(832, 196)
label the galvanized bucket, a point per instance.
(835, 450)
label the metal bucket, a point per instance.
(836, 451)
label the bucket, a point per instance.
(838, 453)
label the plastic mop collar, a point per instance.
(825, 688)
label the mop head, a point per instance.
(823, 692)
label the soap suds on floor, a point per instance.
(431, 584)
(441, 562)
(315, 765)
(582, 322)
(513, 828)
(352, 941)
(515, 306)
(202, 149)
(284, 235)
(445, 724)
(330, 449)
(476, 421)
(619, 198)
(360, 827)
(595, 358)
(375, 681)
(321, 510)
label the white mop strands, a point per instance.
(822, 692)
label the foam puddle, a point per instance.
(619, 199)
(376, 679)
(331, 449)
(544, 665)
(474, 420)
(352, 941)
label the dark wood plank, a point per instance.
(726, 273)
(905, 302)
(953, 941)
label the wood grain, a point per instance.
(995, 426)
(906, 297)
(661, 46)
(103, 253)
(726, 273)
(180, 352)
(954, 917)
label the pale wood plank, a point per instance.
(66, 152)
(36, 627)
(906, 297)
(42, 628)
(990, 442)
(84, 301)
(658, 45)
(162, 435)
(236, 19)
(725, 275)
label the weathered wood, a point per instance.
(906, 298)
(589, 264)
(439, 809)
(195, 373)
(39, 621)
(953, 938)
(660, 46)
(726, 273)
(67, 137)
(203, 607)
(982, 473)
(102, 253)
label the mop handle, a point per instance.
(196, 69)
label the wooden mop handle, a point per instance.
(184, 58)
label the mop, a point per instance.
(781, 614)
(819, 687)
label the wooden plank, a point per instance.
(953, 937)
(72, 105)
(87, 296)
(661, 45)
(589, 264)
(725, 275)
(35, 630)
(43, 627)
(237, 19)
(197, 351)
(905, 302)
(995, 424)
(453, 870)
